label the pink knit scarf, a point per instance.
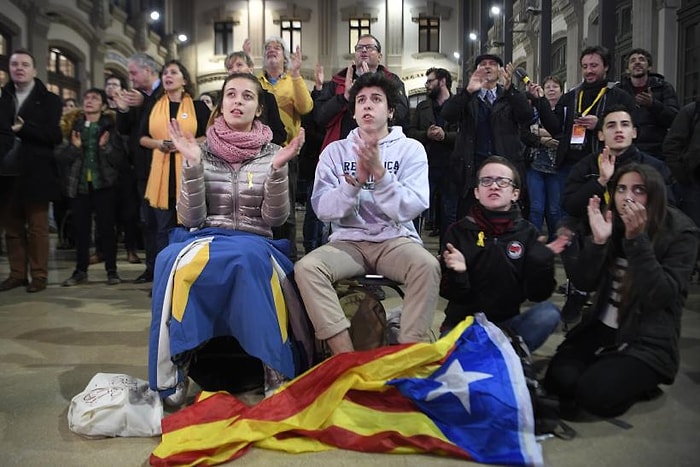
(235, 146)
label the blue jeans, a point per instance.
(536, 324)
(544, 190)
(313, 227)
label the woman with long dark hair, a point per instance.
(639, 259)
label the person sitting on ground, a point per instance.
(233, 190)
(92, 158)
(590, 176)
(493, 260)
(639, 259)
(370, 186)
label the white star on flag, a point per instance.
(456, 381)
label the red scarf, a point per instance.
(494, 223)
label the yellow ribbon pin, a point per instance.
(250, 179)
(480, 239)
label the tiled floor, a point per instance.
(52, 343)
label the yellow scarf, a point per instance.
(159, 176)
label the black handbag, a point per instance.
(9, 162)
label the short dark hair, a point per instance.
(611, 109)
(639, 51)
(376, 41)
(503, 161)
(441, 73)
(99, 92)
(599, 50)
(553, 79)
(380, 80)
(122, 81)
(25, 52)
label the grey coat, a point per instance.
(252, 199)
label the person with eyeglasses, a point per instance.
(493, 260)
(331, 109)
(438, 137)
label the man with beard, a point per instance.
(657, 101)
(574, 123)
(438, 137)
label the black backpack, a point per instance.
(545, 407)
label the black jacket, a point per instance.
(653, 122)
(40, 134)
(129, 123)
(509, 112)
(422, 119)
(560, 122)
(270, 116)
(682, 145)
(501, 274)
(109, 158)
(583, 180)
(658, 273)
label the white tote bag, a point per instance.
(116, 405)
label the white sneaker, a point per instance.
(179, 397)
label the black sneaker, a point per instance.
(571, 311)
(113, 278)
(78, 277)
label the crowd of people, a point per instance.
(606, 175)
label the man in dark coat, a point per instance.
(490, 116)
(438, 137)
(656, 99)
(574, 122)
(25, 211)
(144, 75)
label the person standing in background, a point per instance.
(24, 212)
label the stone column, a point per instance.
(574, 38)
(642, 25)
(393, 47)
(38, 26)
(667, 54)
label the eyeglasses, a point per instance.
(365, 47)
(427, 83)
(501, 182)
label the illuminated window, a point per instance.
(62, 73)
(223, 37)
(358, 28)
(428, 34)
(290, 30)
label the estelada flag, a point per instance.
(463, 396)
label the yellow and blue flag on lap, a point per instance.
(217, 282)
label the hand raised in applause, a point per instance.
(290, 151)
(601, 223)
(186, 144)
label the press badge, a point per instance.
(578, 134)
